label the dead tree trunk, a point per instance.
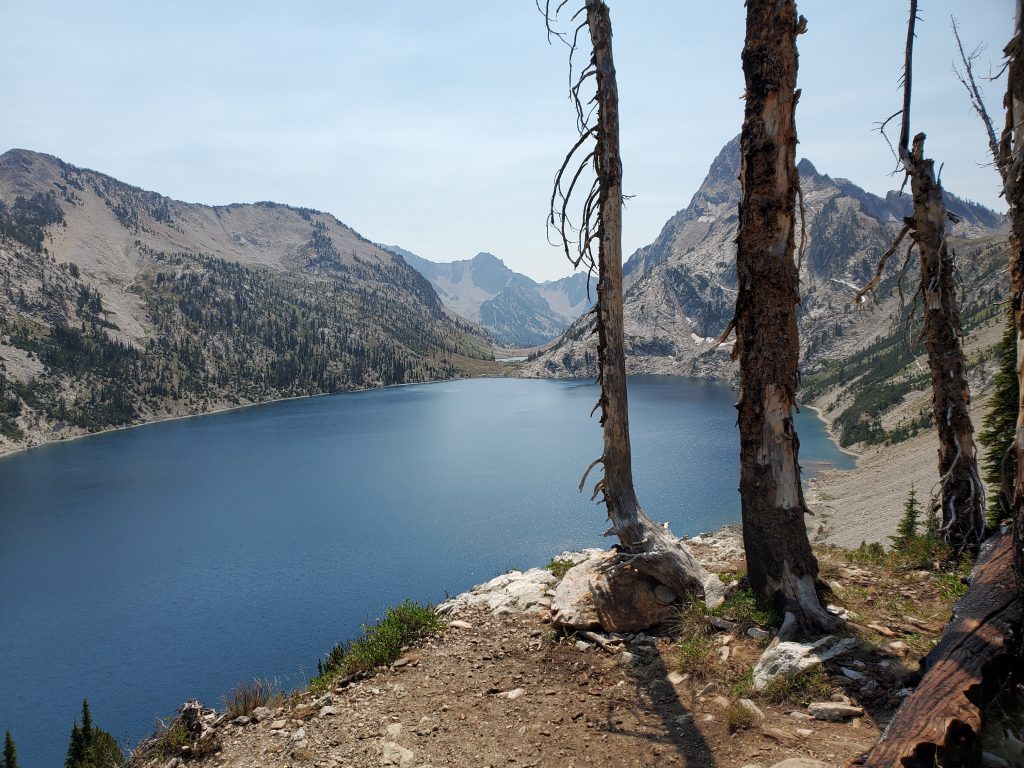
(940, 722)
(963, 501)
(645, 545)
(1010, 162)
(780, 564)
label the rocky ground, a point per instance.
(501, 686)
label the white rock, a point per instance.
(512, 695)
(676, 677)
(328, 711)
(394, 754)
(460, 624)
(261, 713)
(393, 732)
(752, 708)
(790, 658)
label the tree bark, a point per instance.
(645, 545)
(780, 564)
(963, 500)
(1011, 165)
(940, 722)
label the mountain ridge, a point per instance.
(517, 310)
(120, 305)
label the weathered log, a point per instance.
(939, 724)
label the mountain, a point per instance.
(121, 306)
(680, 291)
(517, 311)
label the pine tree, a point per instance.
(907, 528)
(1000, 424)
(76, 749)
(87, 732)
(10, 753)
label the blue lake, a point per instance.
(143, 567)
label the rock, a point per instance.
(676, 677)
(759, 634)
(852, 673)
(627, 658)
(394, 754)
(834, 712)
(261, 713)
(583, 646)
(460, 624)
(242, 720)
(800, 762)
(798, 715)
(279, 725)
(805, 732)
(790, 658)
(512, 695)
(393, 732)
(588, 598)
(328, 711)
(840, 698)
(427, 725)
(299, 735)
(897, 648)
(723, 624)
(664, 595)
(752, 708)
(784, 738)
(723, 653)
(884, 631)
(304, 711)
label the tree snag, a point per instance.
(780, 564)
(646, 546)
(1010, 162)
(963, 499)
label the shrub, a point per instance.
(245, 697)
(801, 689)
(738, 718)
(559, 567)
(693, 655)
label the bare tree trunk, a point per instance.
(1011, 165)
(963, 500)
(645, 545)
(780, 564)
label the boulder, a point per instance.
(625, 601)
(790, 658)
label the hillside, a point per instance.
(516, 310)
(121, 306)
(680, 289)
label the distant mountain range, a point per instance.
(681, 289)
(120, 305)
(517, 311)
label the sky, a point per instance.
(438, 126)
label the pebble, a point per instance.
(328, 711)
(279, 725)
(676, 677)
(512, 695)
(460, 624)
(261, 713)
(752, 708)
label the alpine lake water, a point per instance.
(143, 567)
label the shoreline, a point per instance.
(6, 452)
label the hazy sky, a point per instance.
(438, 125)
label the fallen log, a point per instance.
(939, 724)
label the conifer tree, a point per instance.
(76, 749)
(907, 528)
(86, 724)
(1000, 425)
(10, 753)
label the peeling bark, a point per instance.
(780, 564)
(1011, 165)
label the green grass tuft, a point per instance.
(245, 697)
(738, 718)
(801, 689)
(559, 567)
(380, 644)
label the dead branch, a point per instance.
(882, 261)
